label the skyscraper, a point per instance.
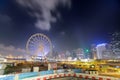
(100, 48)
(93, 51)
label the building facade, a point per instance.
(100, 49)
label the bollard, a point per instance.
(93, 78)
(86, 77)
(44, 78)
(108, 79)
(38, 78)
(50, 77)
(75, 75)
(64, 75)
(60, 75)
(100, 78)
(69, 75)
(55, 76)
(81, 76)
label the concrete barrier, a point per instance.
(50, 75)
(74, 75)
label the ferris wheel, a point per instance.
(39, 45)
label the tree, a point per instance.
(8, 69)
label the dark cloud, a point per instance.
(41, 10)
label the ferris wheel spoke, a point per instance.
(33, 39)
(32, 45)
(37, 40)
(33, 42)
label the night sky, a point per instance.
(70, 24)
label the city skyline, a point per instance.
(70, 24)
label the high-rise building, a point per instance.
(80, 53)
(93, 51)
(104, 51)
(100, 48)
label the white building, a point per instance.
(100, 48)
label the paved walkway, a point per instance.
(67, 78)
(111, 74)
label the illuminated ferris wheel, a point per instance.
(39, 45)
